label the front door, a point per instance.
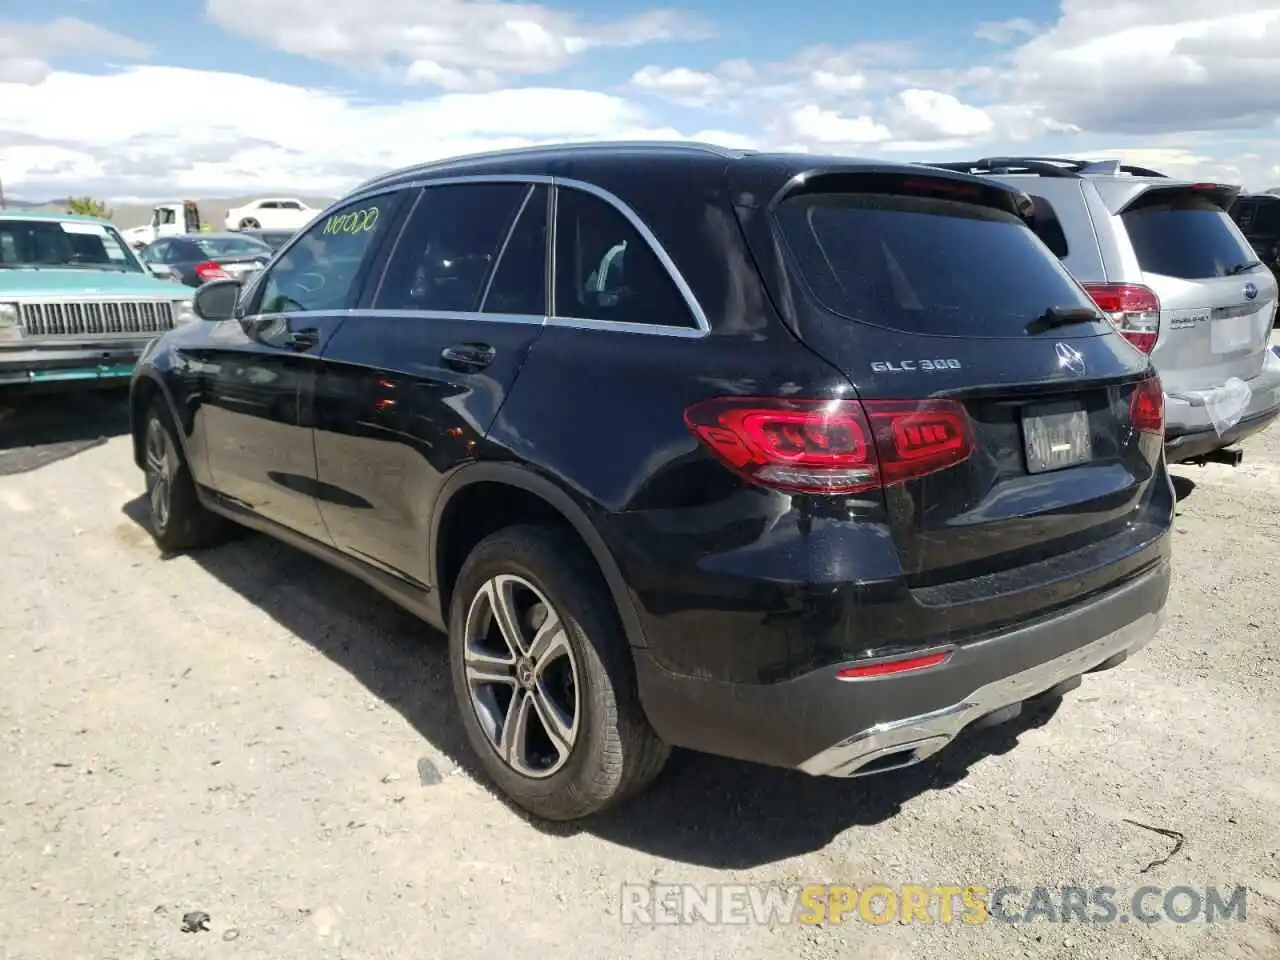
(263, 367)
(414, 379)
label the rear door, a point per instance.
(413, 380)
(927, 291)
(1217, 302)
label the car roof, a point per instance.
(219, 235)
(50, 215)
(753, 176)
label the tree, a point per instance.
(88, 207)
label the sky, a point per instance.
(133, 99)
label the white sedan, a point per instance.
(275, 213)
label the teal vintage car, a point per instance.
(77, 306)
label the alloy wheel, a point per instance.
(161, 464)
(522, 676)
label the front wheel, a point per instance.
(543, 677)
(179, 521)
(249, 223)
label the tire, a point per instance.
(178, 520)
(249, 223)
(613, 753)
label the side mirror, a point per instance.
(217, 299)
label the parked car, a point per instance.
(1163, 258)
(279, 213)
(815, 466)
(76, 305)
(275, 239)
(200, 257)
(1258, 217)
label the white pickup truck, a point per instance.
(167, 220)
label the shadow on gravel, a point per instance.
(39, 429)
(1182, 486)
(704, 810)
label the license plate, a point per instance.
(1056, 435)
(1232, 333)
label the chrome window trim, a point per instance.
(702, 325)
(502, 250)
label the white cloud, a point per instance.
(1193, 83)
(1156, 66)
(692, 87)
(27, 48)
(930, 114)
(280, 137)
(815, 125)
(1003, 31)
(456, 44)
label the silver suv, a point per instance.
(1164, 259)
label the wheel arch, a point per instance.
(535, 498)
(148, 384)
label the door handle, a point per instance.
(301, 339)
(468, 357)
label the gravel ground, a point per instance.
(249, 734)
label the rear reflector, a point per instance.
(1134, 309)
(832, 446)
(1146, 406)
(882, 668)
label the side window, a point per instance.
(605, 270)
(167, 216)
(267, 205)
(319, 271)
(1244, 213)
(1265, 215)
(1048, 228)
(290, 205)
(157, 252)
(519, 283)
(449, 246)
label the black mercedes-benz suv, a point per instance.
(803, 460)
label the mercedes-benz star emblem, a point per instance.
(1069, 358)
(1251, 291)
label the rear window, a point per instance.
(924, 265)
(1185, 237)
(232, 247)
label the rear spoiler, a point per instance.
(1123, 195)
(920, 181)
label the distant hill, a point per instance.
(126, 215)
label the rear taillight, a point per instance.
(1134, 309)
(211, 271)
(1146, 406)
(832, 446)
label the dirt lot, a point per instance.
(248, 734)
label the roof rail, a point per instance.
(1038, 165)
(691, 146)
(1050, 167)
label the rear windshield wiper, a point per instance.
(1063, 317)
(1240, 268)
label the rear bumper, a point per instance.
(1179, 447)
(1189, 422)
(32, 364)
(824, 725)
